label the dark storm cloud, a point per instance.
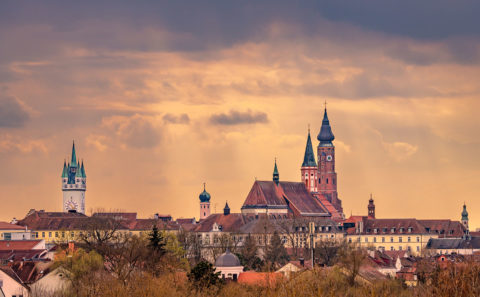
(238, 118)
(176, 119)
(12, 113)
(214, 23)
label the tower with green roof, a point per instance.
(309, 166)
(74, 184)
(204, 203)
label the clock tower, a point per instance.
(327, 177)
(74, 184)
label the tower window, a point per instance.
(333, 181)
(327, 180)
(319, 180)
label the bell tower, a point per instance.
(309, 168)
(204, 203)
(327, 177)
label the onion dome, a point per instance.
(227, 259)
(204, 196)
(309, 158)
(326, 135)
(464, 213)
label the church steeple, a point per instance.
(309, 157)
(326, 135)
(276, 176)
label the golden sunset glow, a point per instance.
(156, 108)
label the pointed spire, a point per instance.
(226, 209)
(276, 176)
(326, 135)
(79, 171)
(65, 171)
(74, 156)
(83, 170)
(309, 157)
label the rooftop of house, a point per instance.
(8, 245)
(8, 226)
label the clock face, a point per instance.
(70, 204)
(329, 158)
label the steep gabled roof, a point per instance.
(264, 193)
(229, 223)
(297, 195)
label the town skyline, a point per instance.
(159, 105)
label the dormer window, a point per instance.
(375, 230)
(401, 230)
(384, 230)
(410, 229)
(392, 230)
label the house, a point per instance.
(293, 267)
(14, 232)
(23, 245)
(10, 283)
(448, 246)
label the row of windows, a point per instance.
(383, 239)
(57, 234)
(400, 248)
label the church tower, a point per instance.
(74, 184)
(465, 217)
(309, 167)
(327, 177)
(204, 203)
(371, 208)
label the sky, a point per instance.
(162, 96)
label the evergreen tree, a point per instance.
(156, 241)
(203, 275)
(248, 257)
(275, 251)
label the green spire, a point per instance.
(83, 171)
(78, 172)
(73, 163)
(276, 176)
(65, 170)
(464, 213)
(309, 157)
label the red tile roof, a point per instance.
(117, 215)
(8, 226)
(19, 255)
(260, 278)
(444, 228)
(228, 223)
(293, 195)
(8, 245)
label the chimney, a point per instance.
(71, 246)
(155, 216)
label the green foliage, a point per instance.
(156, 241)
(248, 256)
(203, 276)
(276, 254)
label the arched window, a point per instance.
(333, 181)
(319, 181)
(306, 183)
(327, 181)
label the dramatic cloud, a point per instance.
(12, 112)
(10, 143)
(238, 118)
(176, 119)
(136, 131)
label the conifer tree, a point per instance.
(275, 251)
(156, 241)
